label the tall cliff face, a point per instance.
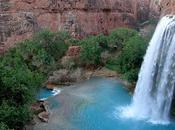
(19, 19)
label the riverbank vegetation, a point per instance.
(25, 68)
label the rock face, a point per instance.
(155, 10)
(167, 7)
(162, 7)
(19, 19)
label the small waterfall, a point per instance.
(154, 90)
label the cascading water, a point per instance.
(154, 90)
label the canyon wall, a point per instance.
(19, 19)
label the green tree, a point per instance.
(14, 117)
(53, 43)
(4, 126)
(90, 52)
(119, 36)
(130, 58)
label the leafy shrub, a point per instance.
(20, 85)
(132, 54)
(73, 42)
(14, 117)
(102, 41)
(91, 52)
(4, 126)
(35, 56)
(112, 63)
(131, 75)
(119, 36)
(130, 58)
(53, 43)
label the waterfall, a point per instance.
(154, 90)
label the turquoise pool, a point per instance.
(93, 105)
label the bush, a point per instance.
(131, 75)
(132, 54)
(73, 42)
(53, 43)
(19, 85)
(102, 41)
(14, 117)
(90, 52)
(112, 63)
(35, 56)
(4, 126)
(130, 58)
(119, 36)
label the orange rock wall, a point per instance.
(167, 7)
(19, 19)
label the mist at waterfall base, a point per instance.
(155, 86)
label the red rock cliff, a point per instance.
(167, 7)
(162, 7)
(20, 18)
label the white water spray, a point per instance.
(154, 90)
